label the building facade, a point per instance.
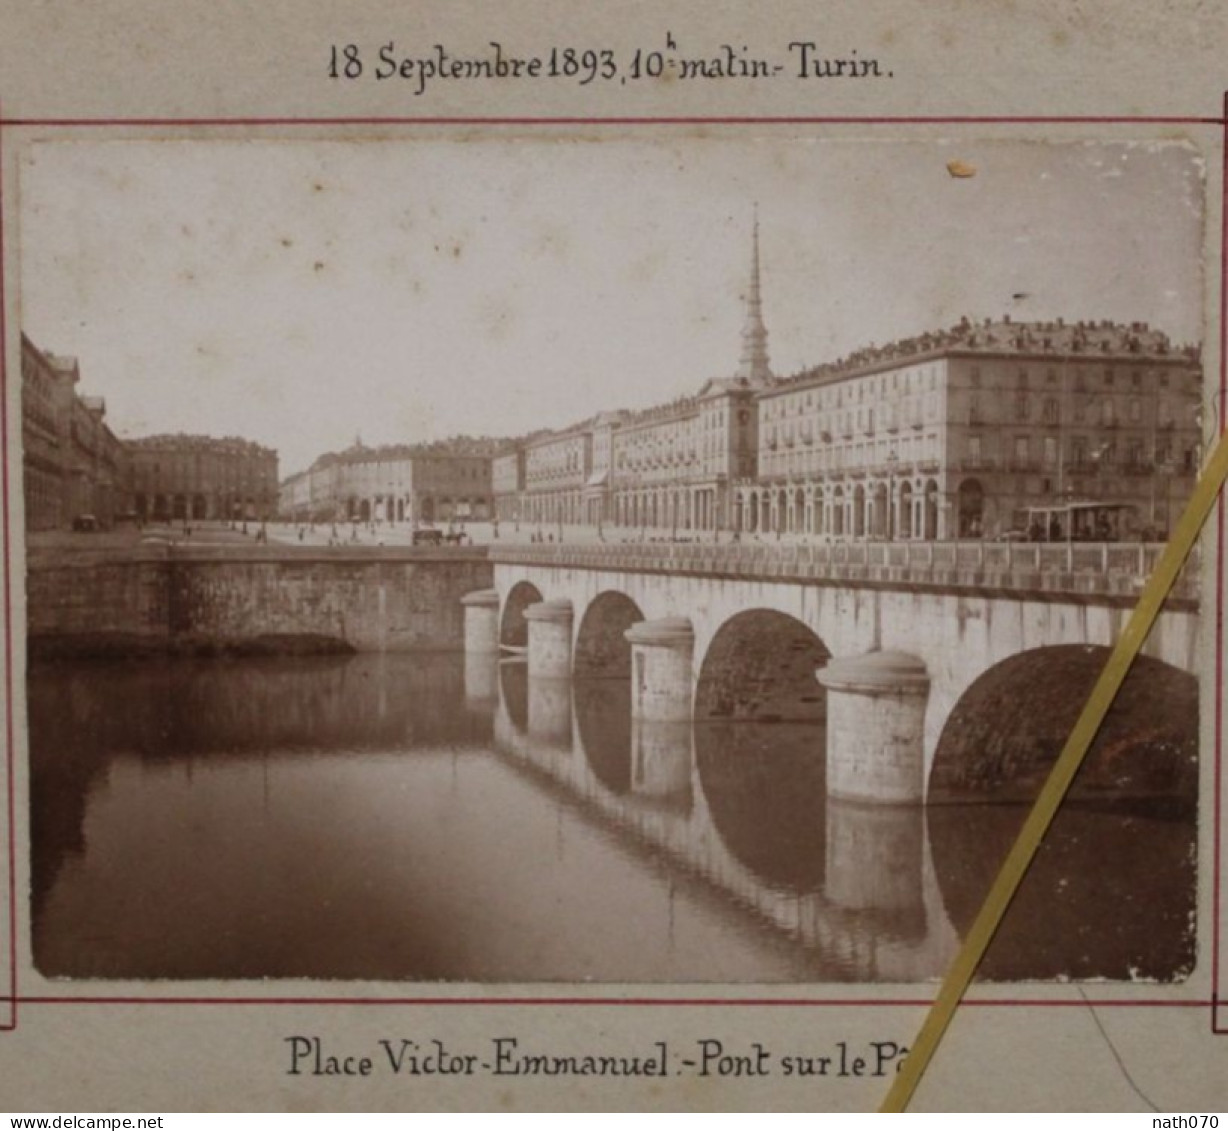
(73, 464)
(507, 483)
(557, 467)
(675, 466)
(448, 482)
(200, 478)
(972, 431)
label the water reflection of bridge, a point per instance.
(743, 807)
(737, 811)
(874, 892)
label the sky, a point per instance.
(302, 292)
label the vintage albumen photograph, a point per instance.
(552, 559)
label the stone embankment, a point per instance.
(209, 600)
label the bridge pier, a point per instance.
(875, 727)
(481, 621)
(549, 639)
(661, 653)
(481, 682)
(661, 760)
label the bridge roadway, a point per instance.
(901, 634)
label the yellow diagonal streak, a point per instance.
(1028, 841)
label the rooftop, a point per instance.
(187, 441)
(1058, 338)
(457, 447)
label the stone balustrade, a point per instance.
(1114, 570)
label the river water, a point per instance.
(436, 817)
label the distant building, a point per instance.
(183, 477)
(507, 483)
(294, 496)
(73, 464)
(557, 466)
(428, 483)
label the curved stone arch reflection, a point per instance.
(514, 694)
(603, 719)
(765, 789)
(513, 628)
(1111, 893)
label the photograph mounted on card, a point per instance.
(549, 559)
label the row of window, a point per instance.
(1082, 378)
(1085, 451)
(840, 457)
(1081, 409)
(852, 392)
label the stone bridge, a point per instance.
(943, 671)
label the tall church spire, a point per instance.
(754, 366)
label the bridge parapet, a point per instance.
(1109, 570)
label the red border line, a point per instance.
(14, 997)
(1216, 935)
(1171, 120)
(10, 1022)
(793, 1003)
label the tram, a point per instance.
(1082, 522)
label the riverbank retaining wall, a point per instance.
(382, 599)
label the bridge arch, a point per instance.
(760, 665)
(513, 628)
(602, 650)
(1008, 727)
(1123, 840)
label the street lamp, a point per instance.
(892, 462)
(1160, 468)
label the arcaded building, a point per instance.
(557, 467)
(967, 432)
(73, 465)
(675, 465)
(201, 478)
